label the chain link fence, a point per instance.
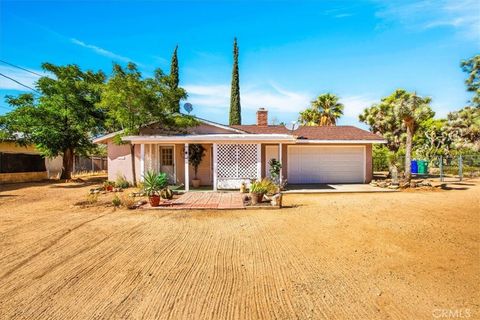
(443, 167)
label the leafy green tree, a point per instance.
(175, 79)
(235, 108)
(63, 119)
(132, 102)
(324, 111)
(472, 68)
(412, 109)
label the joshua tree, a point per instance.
(412, 109)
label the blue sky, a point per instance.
(290, 51)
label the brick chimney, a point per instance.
(262, 117)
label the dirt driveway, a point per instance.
(335, 256)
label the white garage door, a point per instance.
(326, 164)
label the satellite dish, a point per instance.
(291, 126)
(188, 107)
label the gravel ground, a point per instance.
(404, 255)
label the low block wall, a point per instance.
(22, 177)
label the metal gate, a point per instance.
(237, 163)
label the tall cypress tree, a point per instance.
(235, 108)
(175, 80)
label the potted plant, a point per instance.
(153, 183)
(275, 172)
(109, 185)
(196, 153)
(258, 188)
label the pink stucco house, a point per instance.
(236, 154)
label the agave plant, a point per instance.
(153, 182)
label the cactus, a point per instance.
(166, 193)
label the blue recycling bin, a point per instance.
(414, 166)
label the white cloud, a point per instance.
(24, 77)
(462, 15)
(101, 51)
(272, 97)
(354, 105)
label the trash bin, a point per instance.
(414, 166)
(422, 167)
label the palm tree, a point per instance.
(324, 111)
(412, 109)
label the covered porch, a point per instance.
(229, 160)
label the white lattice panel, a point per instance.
(236, 163)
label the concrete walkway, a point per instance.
(335, 188)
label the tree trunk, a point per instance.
(132, 154)
(408, 151)
(67, 164)
(393, 173)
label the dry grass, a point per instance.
(334, 256)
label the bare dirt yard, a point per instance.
(404, 255)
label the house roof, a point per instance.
(335, 133)
(271, 129)
(211, 138)
(303, 134)
(314, 132)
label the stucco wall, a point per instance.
(119, 161)
(54, 167)
(204, 169)
(22, 177)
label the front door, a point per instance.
(167, 164)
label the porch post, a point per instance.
(215, 167)
(259, 161)
(187, 178)
(142, 161)
(280, 147)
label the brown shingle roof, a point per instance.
(335, 133)
(272, 129)
(314, 132)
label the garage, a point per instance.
(326, 164)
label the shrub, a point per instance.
(128, 202)
(262, 186)
(109, 183)
(116, 201)
(121, 182)
(92, 198)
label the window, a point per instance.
(167, 156)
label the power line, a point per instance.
(18, 82)
(21, 68)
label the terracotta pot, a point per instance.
(256, 198)
(154, 200)
(109, 188)
(195, 183)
